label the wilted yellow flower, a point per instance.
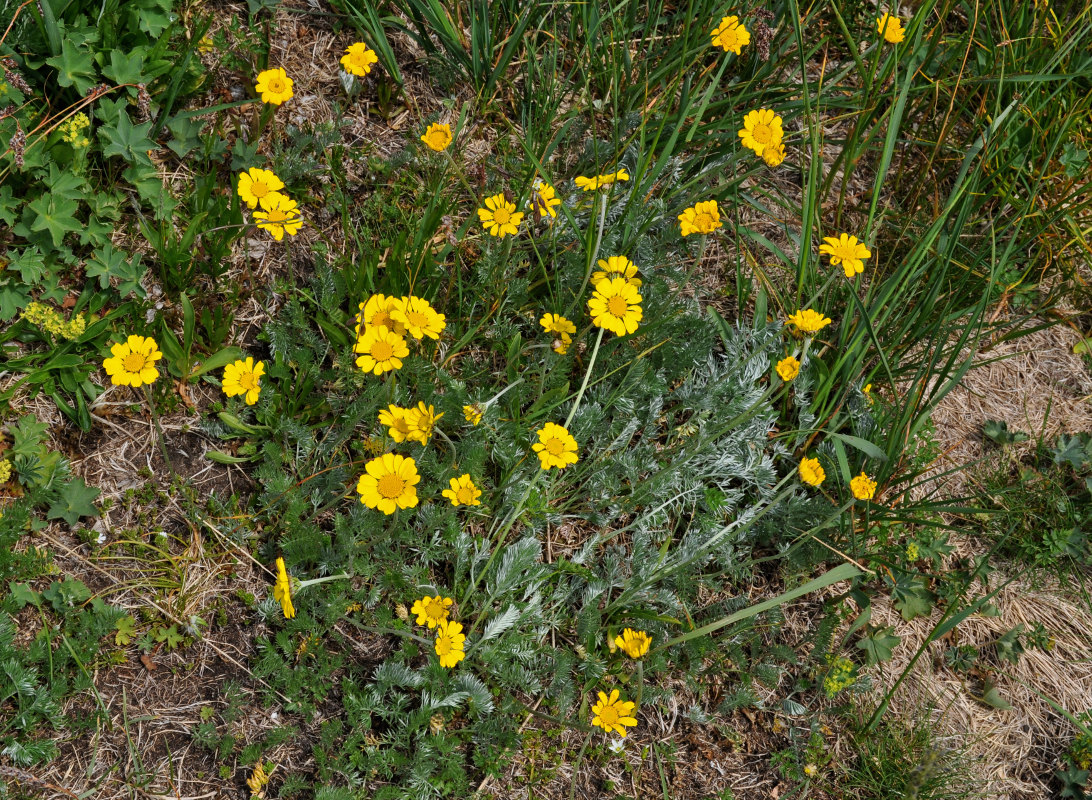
(274, 86)
(891, 28)
(616, 306)
(282, 591)
(358, 59)
(619, 266)
(599, 181)
(561, 344)
(788, 368)
(555, 447)
(473, 414)
(613, 714)
(731, 35)
(419, 317)
(808, 321)
(499, 217)
(863, 487)
(437, 136)
(244, 377)
(279, 215)
(132, 362)
(847, 251)
(811, 472)
(450, 641)
(258, 777)
(773, 154)
(381, 350)
(700, 218)
(431, 611)
(761, 127)
(389, 483)
(544, 200)
(257, 186)
(633, 643)
(463, 492)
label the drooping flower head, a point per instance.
(731, 35)
(282, 590)
(389, 483)
(431, 611)
(437, 136)
(773, 154)
(473, 414)
(463, 492)
(555, 323)
(811, 472)
(244, 377)
(257, 185)
(381, 350)
(616, 306)
(499, 217)
(700, 218)
(376, 312)
(421, 421)
(419, 317)
(808, 321)
(761, 127)
(450, 643)
(633, 643)
(847, 251)
(599, 181)
(274, 86)
(544, 200)
(891, 28)
(394, 417)
(279, 215)
(132, 362)
(788, 368)
(619, 266)
(555, 446)
(613, 714)
(863, 487)
(358, 59)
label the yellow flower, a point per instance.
(499, 217)
(281, 215)
(132, 362)
(388, 483)
(616, 306)
(808, 321)
(358, 59)
(463, 492)
(599, 181)
(450, 641)
(891, 28)
(555, 446)
(561, 344)
(421, 421)
(244, 377)
(810, 471)
(613, 714)
(419, 317)
(700, 218)
(381, 350)
(437, 136)
(761, 127)
(544, 199)
(731, 35)
(773, 154)
(274, 86)
(256, 186)
(863, 487)
(788, 368)
(377, 312)
(5, 471)
(867, 390)
(206, 45)
(394, 417)
(473, 414)
(811, 770)
(555, 323)
(847, 251)
(432, 611)
(282, 591)
(615, 265)
(633, 643)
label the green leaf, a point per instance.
(217, 360)
(74, 67)
(108, 262)
(998, 431)
(125, 68)
(1072, 450)
(911, 597)
(66, 183)
(54, 214)
(76, 500)
(879, 645)
(127, 140)
(993, 698)
(223, 458)
(865, 446)
(125, 630)
(30, 264)
(23, 595)
(63, 595)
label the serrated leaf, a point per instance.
(498, 625)
(125, 630)
(879, 645)
(23, 595)
(57, 215)
(125, 68)
(911, 597)
(993, 698)
(127, 140)
(77, 500)
(74, 66)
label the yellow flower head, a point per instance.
(432, 611)
(380, 350)
(731, 35)
(244, 377)
(867, 390)
(358, 59)
(599, 181)
(421, 421)
(544, 200)
(773, 154)
(206, 45)
(614, 266)
(419, 317)
(282, 590)
(847, 251)
(280, 215)
(811, 472)
(613, 714)
(463, 492)
(561, 343)
(376, 312)
(700, 218)
(258, 186)
(761, 127)
(616, 306)
(473, 414)
(891, 28)
(450, 641)
(555, 446)
(258, 777)
(633, 643)
(499, 217)
(394, 417)
(274, 86)
(389, 483)
(437, 136)
(863, 487)
(555, 323)
(808, 321)
(5, 471)
(788, 368)
(132, 362)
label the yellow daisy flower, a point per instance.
(419, 318)
(380, 350)
(761, 127)
(700, 218)
(616, 306)
(358, 59)
(421, 421)
(891, 28)
(463, 492)
(811, 472)
(863, 487)
(437, 136)
(788, 368)
(280, 215)
(377, 312)
(431, 611)
(561, 344)
(615, 265)
(613, 714)
(274, 86)
(808, 321)
(473, 414)
(244, 377)
(773, 154)
(544, 200)
(450, 641)
(599, 181)
(257, 185)
(394, 417)
(731, 35)
(847, 251)
(282, 591)
(132, 362)
(389, 483)
(633, 643)
(499, 217)
(555, 446)
(555, 323)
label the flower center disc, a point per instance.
(276, 85)
(443, 645)
(703, 220)
(383, 318)
(417, 320)
(382, 351)
(761, 133)
(502, 215)
(555, 447)
(609, 715)
(617, 306)
(435, 610)
(391, 486)
(259, 189)
(465, 495)
(134, 362)
(248, 381)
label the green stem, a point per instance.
(587, 375)
(159, 432)
(598, 241)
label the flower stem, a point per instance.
(159, 431)
(598, 241)
(587, 376)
